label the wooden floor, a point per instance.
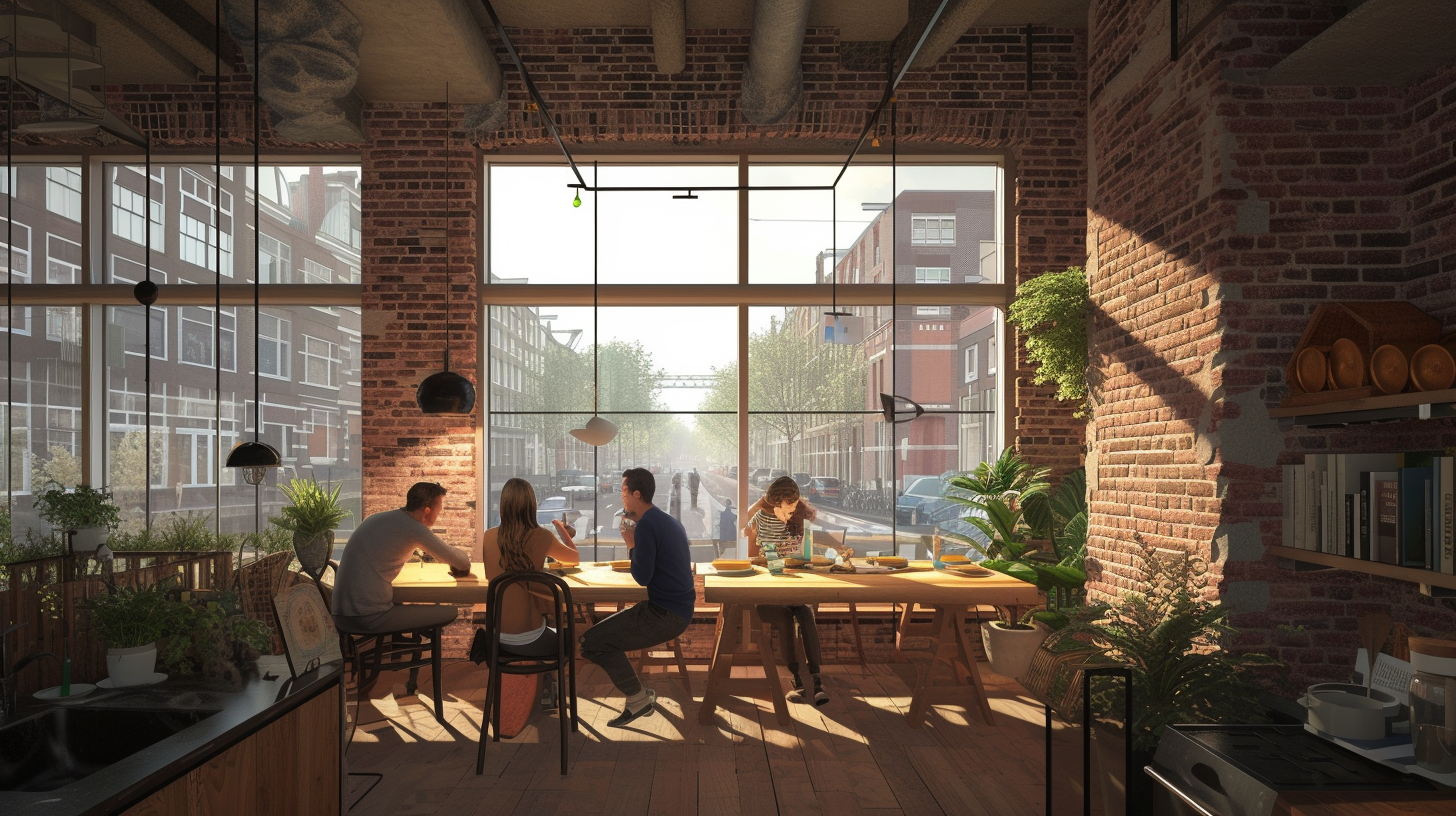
(856, 755)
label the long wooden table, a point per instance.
(433, 583)
(951, 596)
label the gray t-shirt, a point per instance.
(379, 548)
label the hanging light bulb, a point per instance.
(576, 202)
(875, 142)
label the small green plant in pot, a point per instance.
(311, 515)
(213, 638)
(87, 510)
(130, 621)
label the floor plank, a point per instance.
(855, 756)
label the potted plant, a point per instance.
(311, 515)
(1171, 639)
(130, 621)
(1026, 532)
(90, 512)
(212, 637)
(1051, 310)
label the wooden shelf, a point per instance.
(1382, 408)
(1436, 584)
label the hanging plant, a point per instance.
(1051, 309)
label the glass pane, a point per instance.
(947, 216)
(311, 223)
(642, 237)
(793, 367)
(44, 425)
(315, 425)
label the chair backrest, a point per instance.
(561, 608)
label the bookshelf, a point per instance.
(1302, 409)
(1435, 584)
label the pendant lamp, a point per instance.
(446, 393)
(598, 431)
(257, 456)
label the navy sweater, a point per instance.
(662, 562)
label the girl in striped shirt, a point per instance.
(778, 517)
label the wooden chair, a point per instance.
(502, 662)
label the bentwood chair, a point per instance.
(502, 662)
(373, 652)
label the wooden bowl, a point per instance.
(1347, 365)
(1432, 369)
(1310, 370)
(1389, 370)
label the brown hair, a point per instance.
(422, 494)
(517, 523)
(782, 490)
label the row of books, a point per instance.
(1395, 508)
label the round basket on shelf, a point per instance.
(1389, 370)
(1432, 369)
(1347, 364)
(1310, 370)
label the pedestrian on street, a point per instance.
(693, 482)
(727, 528)
(674, 505)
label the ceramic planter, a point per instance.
(131, 667)
(313, 553)
(87, 539)
(1009, 651)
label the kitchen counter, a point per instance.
(241, 713)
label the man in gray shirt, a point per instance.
(378, 549)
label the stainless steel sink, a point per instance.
(61, 745)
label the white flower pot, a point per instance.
(131, 667)
(1009, 651)
(87, 539)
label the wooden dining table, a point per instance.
(433, 583)
(952, 597)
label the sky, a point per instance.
(650, 237)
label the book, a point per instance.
(1427, 509)
(1286, 500)
(1412, 505)
(1338, 537)
(1385, 507)
(1315, 464)
(1349, 526)
(1296, 499)
(1356, 469)
(1447, 515)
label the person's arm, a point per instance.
(644, 555)
(563, 550)
(437, 548)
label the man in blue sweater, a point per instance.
(661, 561)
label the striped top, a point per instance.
(770, 529)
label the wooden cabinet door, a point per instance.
(298, 760)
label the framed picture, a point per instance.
(309, 637)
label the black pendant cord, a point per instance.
(217, 257)
(448, 270)
(10, 184)
(894, 300)
(257, 231)
(834, 250)
(596, 338)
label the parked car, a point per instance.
(921, 497)
(802, 480)
(553, 508)
(757, 477)
(824, 490)
(733, 472)
(584, 486)
(776, 473)
(611, 481)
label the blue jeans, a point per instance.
(640, 626)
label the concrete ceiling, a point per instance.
(1381, 42)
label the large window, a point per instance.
(670, 376)
(163, 446)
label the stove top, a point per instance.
(1284, 757)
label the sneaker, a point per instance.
(820, 696)
(796, 694)
(628, 715)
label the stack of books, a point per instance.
(1395, 508)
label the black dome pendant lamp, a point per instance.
(257, 456)
(446, 393)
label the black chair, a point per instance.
(502, 662)
(373, 652)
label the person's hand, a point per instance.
(458, 573)
(567, 531)
(629, 535)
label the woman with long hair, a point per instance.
(519, 544)
(778, 517)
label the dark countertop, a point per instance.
(124, 783)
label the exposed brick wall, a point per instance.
(1222, 213)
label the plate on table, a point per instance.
(738, 573)
(970, 571)
(156, 678)
(53, 694)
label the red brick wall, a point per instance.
(1200, 301)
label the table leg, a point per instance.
(735, 646)
(952, 649)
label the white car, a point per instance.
(554, 508)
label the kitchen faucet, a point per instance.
(9, 673)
